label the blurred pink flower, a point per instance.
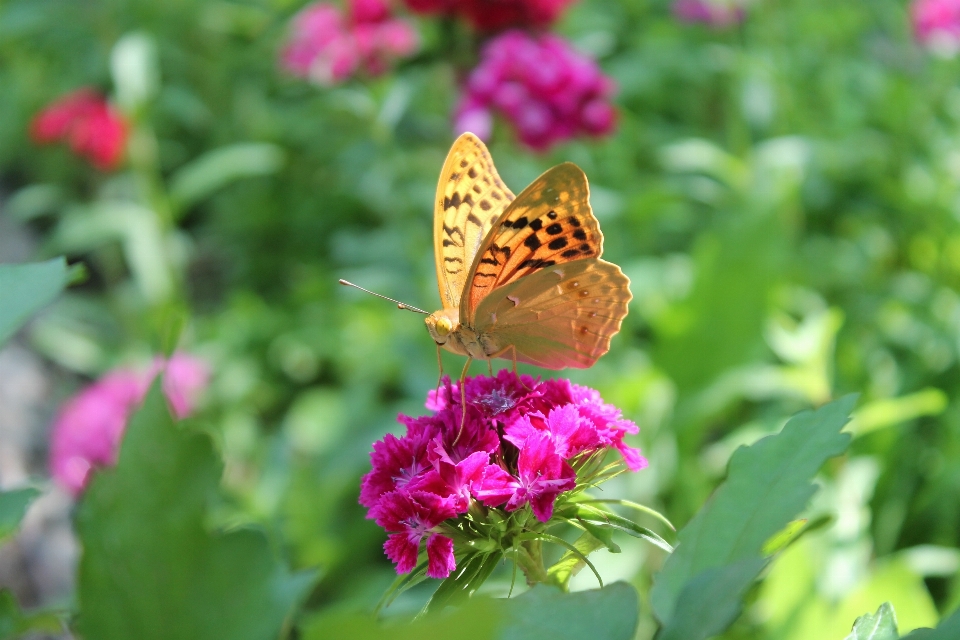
(936, 25)
(328, 47)
(716, 13)
(84, 119)
(89, 427)
(542, 86)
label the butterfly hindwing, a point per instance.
(470, 198)
(550, 223)
(560, 316)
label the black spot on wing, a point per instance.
(580, 234)
(555, 228)
(556, 245)
(532, 242)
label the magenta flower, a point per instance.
(715, 13)
(521, 441)
(89, 427)
(542, 476)
(936, 25)
(328, 48)
(410, 517)
(545, 89)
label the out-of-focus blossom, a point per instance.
(328, 48)
(518, 443)
(936, 25)
(88, 123)
(716, 13)
(542, 86)
(89, 427)
(492, 15)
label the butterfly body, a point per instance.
(521, 277)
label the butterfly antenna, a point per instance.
(400, 305)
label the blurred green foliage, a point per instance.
(784, 196)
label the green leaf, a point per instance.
(150, 569)
(13, 506)
(463, 584)
(626, 525)
(27, 288)
(710, 602)
(218, 168)
(768, 484)
(571, 562)
(545, 613)
(881, 625)
(604, 535)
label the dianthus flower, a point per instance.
(715, 13)
(328, 47)
(492, 15)
(485, 477)
(936, 25)
(542, 86)
(88, 123)
(89, 427)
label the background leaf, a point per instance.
(151, 569)
(13, 506)
(27, 288)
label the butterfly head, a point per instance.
(443, 324)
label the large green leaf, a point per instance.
(27, 288)
(218, 168)
(13, 506)
(767, 485)
(881, 625)
(710, 602)
(543, 613)
(151, 569)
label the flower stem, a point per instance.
(530, 559)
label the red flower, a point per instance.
(493, 15)
(93, 128)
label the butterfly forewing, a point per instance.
(470, 198)
(550, 223)
(560, 316)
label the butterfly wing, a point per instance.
(550, 223)
(560, 316)
(470, 198)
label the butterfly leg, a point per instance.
(463, 397)
(440, 367)
(490, 366)
(517, 375)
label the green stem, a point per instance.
(530, 559)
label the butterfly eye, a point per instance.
(444, 326)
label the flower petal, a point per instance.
(440, 556)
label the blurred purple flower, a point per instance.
(542, 86)
(716, 13)
(328, 48)
(89, 427)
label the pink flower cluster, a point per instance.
(519, 445)
(87, 122)
(542, 86)
(89, 427)
(716, 13)
(328, 48)
(936, 25)
(492, 15)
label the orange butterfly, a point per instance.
(521, 277)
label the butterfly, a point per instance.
(521, 276)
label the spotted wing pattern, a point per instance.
(560, 316)
(470, 198)
(550, 223)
